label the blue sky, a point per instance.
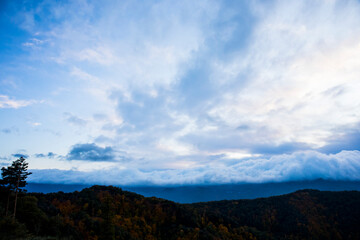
(181, 92)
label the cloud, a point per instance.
(279, 149)
(307, 165)
(6, 130)
(34, 43)
(74, 119)
(83, 75)
(155, 41)
(91, 152)
(48, 155)
(19, 155)
(40, 155)
(9, 82)
(7, 102)
(143, 110)
(203, 86)
(346, 140)
(277, 86)
(298, 75)
(4, 161)
(10, 130)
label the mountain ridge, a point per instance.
(201, 193)
(107, 212)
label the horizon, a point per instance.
(181, 93)
(206, 193)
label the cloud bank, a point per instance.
(308, 165)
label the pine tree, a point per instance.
(14, 178)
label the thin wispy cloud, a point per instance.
(8, 102)
(74, 119)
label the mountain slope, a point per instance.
(110, 213)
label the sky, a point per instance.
(181, 92)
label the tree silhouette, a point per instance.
(13, 177)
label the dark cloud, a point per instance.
(9, 130)
(74, 119)
(349, 140)
(19, 155)
(6, 130)
(91, 152)
(243, 127)
(284, 148)
(49, 155)
(40, 155)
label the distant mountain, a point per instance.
(101, 212)
(204, 193)
(54, 187)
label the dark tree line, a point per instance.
(14, 179)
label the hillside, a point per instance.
(101, 212)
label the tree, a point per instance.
(14, 178)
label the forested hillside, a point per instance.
(103, 212)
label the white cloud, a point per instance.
(7, 102)
(178, 87)
(100, 55)
(174, 146)
(307, 165)
(149, 47)
(77, 72)
(34, 43)
(297, 52)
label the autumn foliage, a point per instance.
(103, 212)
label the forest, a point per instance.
(106, 212)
